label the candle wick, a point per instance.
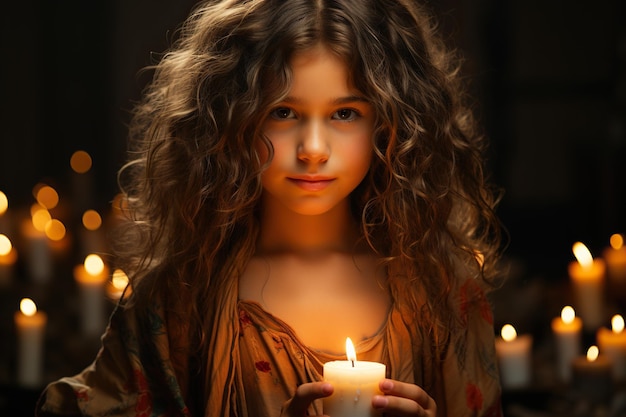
(353, 363)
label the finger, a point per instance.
(305, 395)
(405, 390)
(400, 407)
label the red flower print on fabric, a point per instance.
(82, 395)
(473, 397)
(472, 296)
(278, 343)
(263, 366)
(143, 407)
(244, 319)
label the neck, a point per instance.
(284, 231)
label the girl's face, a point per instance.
(322, 137)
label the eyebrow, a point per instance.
(337, 101)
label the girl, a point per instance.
(305, 171)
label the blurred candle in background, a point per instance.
(567, 331)
(587, 277)
(5, 223)
(91, 237)
(82, 181)
(8, 258)
(91, 277)
(615, 258)
(514, 357)
(30, 325)
(592, 376)
(612, 343)
(38, 254)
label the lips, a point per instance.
(312, 183)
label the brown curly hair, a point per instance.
(193, 184)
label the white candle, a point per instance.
(587, 275)
(39, 253)
(567, 331)
(514, 357)
(592, 376)
(615, 258)
(355, 383)
(91, 277)
(612, 343)
(8, 257)
(30, 326)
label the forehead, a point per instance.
(319, 66)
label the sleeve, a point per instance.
(470, 373)
(132, 375)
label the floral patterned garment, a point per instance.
(260, 362)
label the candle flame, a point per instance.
(582, 254)
(508, 333)
(617, 241)
(28, 307)
(119, 280)
(592, 353)
(350, 352)
(92, 220)
(568, 314)
(5, 245)
(4, 203)
(617, 323)
(94, 264)
(80, 162)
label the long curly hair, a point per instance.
(193, 183)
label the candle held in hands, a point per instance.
(355, 384)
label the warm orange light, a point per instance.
(617, 241)
(92, 220)
(47, 197)
(350, 352)
(55, 230)
(80, 162)
(119, 280)
(617, 323)
(4, 203)
(568, 314)
(592, 353)
(40, 218)
(28, 307)
(582, 254)
(5, 245)
(94, 264)
(508, 333)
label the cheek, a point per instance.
(263, 151)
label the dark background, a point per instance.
(549, 79)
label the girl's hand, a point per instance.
(404, 400)
(305, 395)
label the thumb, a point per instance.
(305, 395)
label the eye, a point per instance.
(282, 113)
(346, 114)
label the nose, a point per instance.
(313, 146)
